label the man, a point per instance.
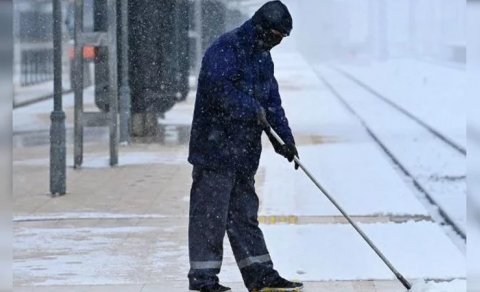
(237, 99)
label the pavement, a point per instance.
(133, 214)
(337, 286)
(125, 228)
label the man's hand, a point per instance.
(262, 119)
(289, 151)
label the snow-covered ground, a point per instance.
(431, 91)
(350, 172)
(357, 172)
(85, 255)
(334, 145)
(36, 117)
(473, 254)
(439, 169)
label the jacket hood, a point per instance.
(273, 15)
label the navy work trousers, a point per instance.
(225, 201)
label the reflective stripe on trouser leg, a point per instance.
(206, 265)
(209, 201)
(246, 238)
(254, 260)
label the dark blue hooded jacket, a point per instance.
(235, 80)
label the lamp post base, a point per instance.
(58, 163)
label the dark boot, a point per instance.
(279, 284)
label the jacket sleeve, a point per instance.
(223, 73)
(276, 116)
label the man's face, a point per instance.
(270, 38)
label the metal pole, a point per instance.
(113, 80)
(57, 129)
(125, 93)
(78, 85)
(199, 32)
(355, 226)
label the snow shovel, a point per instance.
(364, 236)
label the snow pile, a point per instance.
(453, 286)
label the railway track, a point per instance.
(448, 148)
(407, 113)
